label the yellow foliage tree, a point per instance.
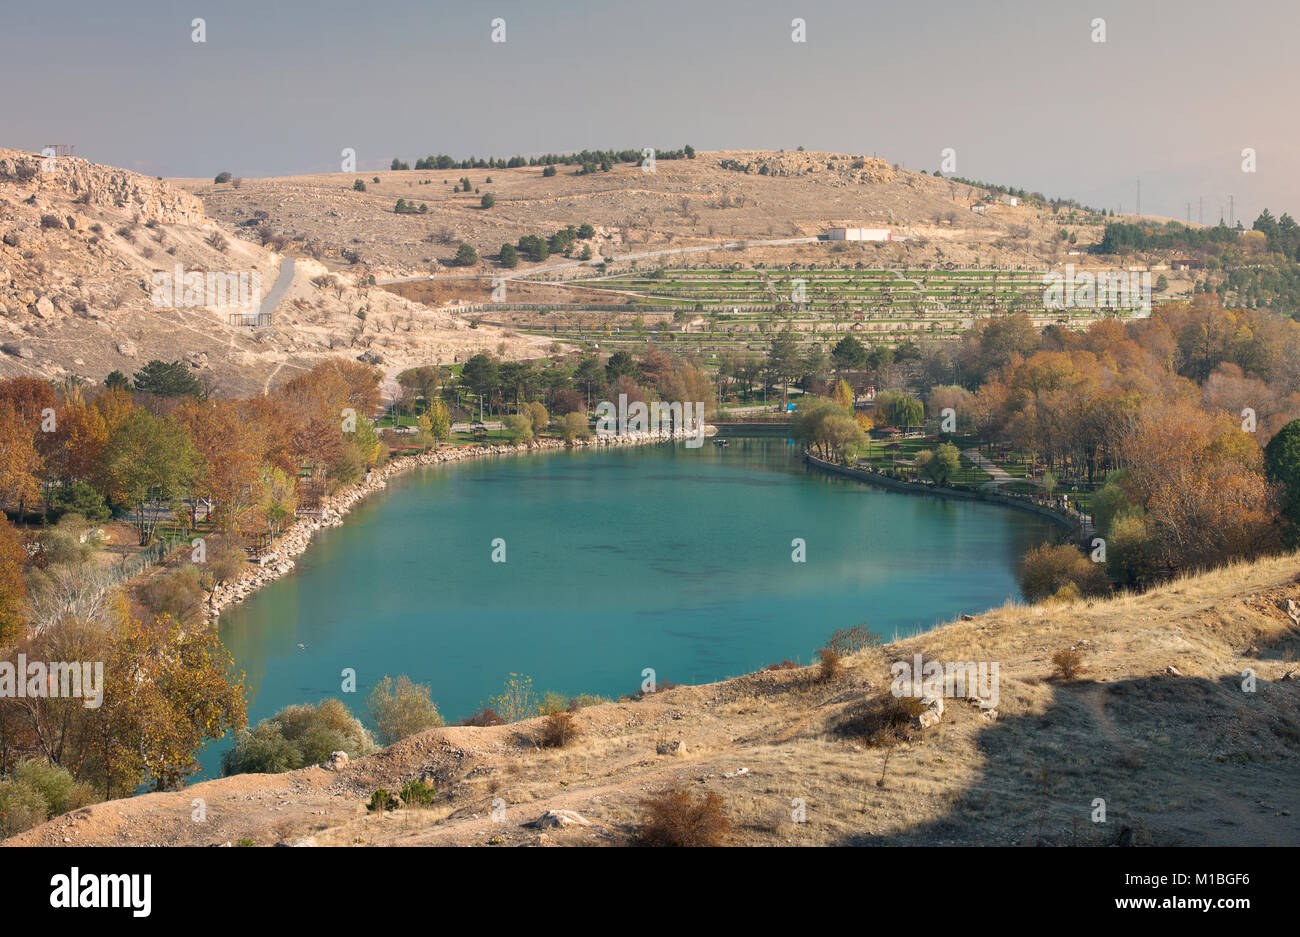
(843, 395)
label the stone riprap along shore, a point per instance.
(278, 562)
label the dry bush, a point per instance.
(1067, 664)
(830, 666)
(846, 641)
(558, 730)
(881, 722)
(217, 241)
(1047, 569)
(675, 818)
(177, 593)
(660, 687)
(784, 665)
(484, 717)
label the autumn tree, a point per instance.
(574, 426)
(148, 462)
(232, 456)
(20, 463)
(72, 451)
(278, 499)
(13, 590)
(843, 395)
(167, 693)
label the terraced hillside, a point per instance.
(715, 310)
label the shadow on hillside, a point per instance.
(1177, 760)
(1283, 647)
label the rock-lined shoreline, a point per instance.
(279, 562)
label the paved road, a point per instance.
(282, 281)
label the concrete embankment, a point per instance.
(1077, 526)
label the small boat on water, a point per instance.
(721, 442)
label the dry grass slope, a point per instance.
(1187, 758)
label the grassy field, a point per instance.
(902, 453)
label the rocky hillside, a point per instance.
(1162, 725)
(80, 245)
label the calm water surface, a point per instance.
(657, 556)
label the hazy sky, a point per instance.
(1017, 88)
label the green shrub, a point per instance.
(575, 426)
(21, 807)
(417, 793)
(400, 708)
(519, 427)
(297, 736)
(81, 499)
(55, 785)
(381, 801)
(68, 542)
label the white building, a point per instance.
(860, 234)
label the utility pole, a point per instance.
(1139, 199)
(1189, 212)
(1200, 209)
(1232, 210)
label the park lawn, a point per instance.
(492, 435)
(882, 459)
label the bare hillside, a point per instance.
(79, 248)
(1181, 756)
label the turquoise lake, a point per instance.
(616, 560)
